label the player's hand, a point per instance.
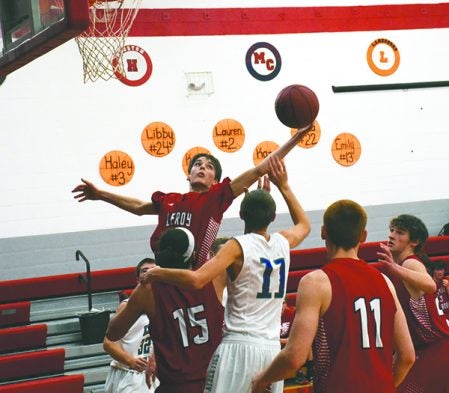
(277, 172)
(263, 183)
(150, 373)
(302, 132)
(150, 275)
(86, 191)
(138, 364)
(385, 257)
(257, 386)
(305, 129)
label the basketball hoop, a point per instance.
(104, 40)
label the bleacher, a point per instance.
(41, 343)
(41, 346)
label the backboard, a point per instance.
(31, 28)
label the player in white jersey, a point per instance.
(257, 265)
(262, 276)
(131, 354)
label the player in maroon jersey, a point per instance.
(440, 298)
(287, 316)
(401, 260)
(201, 209)
(185, 325)
(351, 314)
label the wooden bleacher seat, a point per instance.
(65, 285)
(23, 337)
(59, 384)
(437, 246)
(294, 277)
(14, 313)
(32, 364)
(62, 335)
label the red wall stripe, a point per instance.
(243, 21)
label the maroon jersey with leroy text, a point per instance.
(199, 212)
(353, 349)
(438, 304)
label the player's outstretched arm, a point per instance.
(140, 302)
(88, 191)
(301, 228)
(188, 279)
(249, 177)
(412, 272)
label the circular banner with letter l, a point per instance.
(383, 57)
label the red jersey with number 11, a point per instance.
(353, 349)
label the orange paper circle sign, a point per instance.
(346, 149)
(116, 168)
(262, 150)
(158, 139)
(383, 57)
(228, 135)
(310, 138)
(189, 155)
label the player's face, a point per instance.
(202, 174)
(143, 269)
(399, 240)
(438, 274)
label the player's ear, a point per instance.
(323, 233)
(364, 236)
(274, 216)
(414, 243)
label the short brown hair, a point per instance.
(257, 209)
(416, 229)
(345, 221)
(215, 162)
(143, 262)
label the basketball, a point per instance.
(296, 106)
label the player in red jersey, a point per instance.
(401, 261)
(201, 209)
(441, 296)
(185, 325)
(287, 316)
(351, 314)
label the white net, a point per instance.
(104, 40)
